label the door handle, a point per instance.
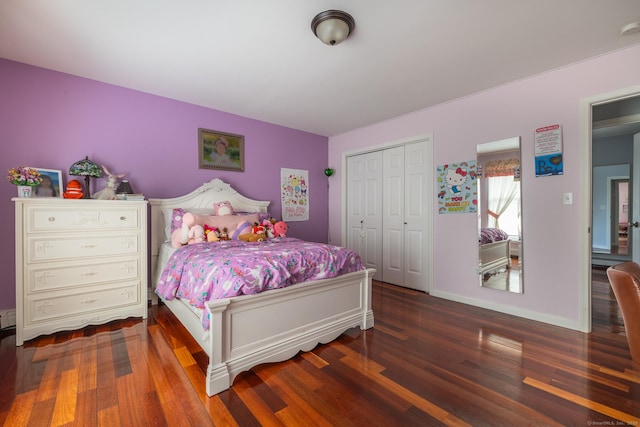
(634, 224)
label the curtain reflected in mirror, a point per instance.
(500, 262)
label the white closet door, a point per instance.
(364, 208)
(393, 217)
(415, 215)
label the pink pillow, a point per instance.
(231, 222)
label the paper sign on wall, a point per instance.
(458, 187)
(294, 187)
(548, 150)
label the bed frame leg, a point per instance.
(217, 379)
(367, 316)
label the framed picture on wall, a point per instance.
(220, 150)
(51, 185)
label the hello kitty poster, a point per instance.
(457, 187)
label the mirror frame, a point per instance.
(500, 264)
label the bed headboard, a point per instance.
(202, 197)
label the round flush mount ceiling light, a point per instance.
(632, 28)
(332, 26)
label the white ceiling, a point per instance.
(259, 58)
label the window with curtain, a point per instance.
(503, 195)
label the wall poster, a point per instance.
(457, 187)
(294, 187)
(548, 150)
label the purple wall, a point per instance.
(50, 120)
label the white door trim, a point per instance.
(585, 195)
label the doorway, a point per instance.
(616, 113)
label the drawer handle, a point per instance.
(123, 218)
(52, 218)
(91, 273)
(89, 301)
(88, 246)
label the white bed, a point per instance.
(494, 256)
(291, 319)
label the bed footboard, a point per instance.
(493, 256)
(274, 326)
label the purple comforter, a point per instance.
(205, 271)
(490, 235)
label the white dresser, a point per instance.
(78, 262)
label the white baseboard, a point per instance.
(514, 311)
(7, 318)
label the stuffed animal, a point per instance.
(243, 228)
(212, 234)
(280, 229)
(223, 208)
(196, 235)
(109, 193)
(224, 234)
(268, 228)
(257, 234)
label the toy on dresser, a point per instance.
(109, 193)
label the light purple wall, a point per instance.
(50, 120)
(552, 232)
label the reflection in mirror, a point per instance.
(499, 215)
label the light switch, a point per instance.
(567, 198)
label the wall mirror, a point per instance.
(500, 215)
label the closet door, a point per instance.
(415, 214)
(364, 208)
(393, 217)
(404, 216)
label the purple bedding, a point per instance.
(491, 235)
(205, 271)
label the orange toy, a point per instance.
(74, 190)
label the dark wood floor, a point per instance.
(427, 362)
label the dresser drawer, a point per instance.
(58, 247)
(56, 276)
(41, 308)
(78, 218)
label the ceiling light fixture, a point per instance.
(332, 26)
(632, 28)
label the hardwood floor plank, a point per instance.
(86, 409)
(106, 377)
(64, 410)
(299, 411)
(605, 410)
(259, 408)
(21, 409)
(109, 417)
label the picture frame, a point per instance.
(51, 185)
(220, 150)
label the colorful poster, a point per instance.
(458, 187)
(295, 194)
(548, 150)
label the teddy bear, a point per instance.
(224, 233)
(257, 234)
